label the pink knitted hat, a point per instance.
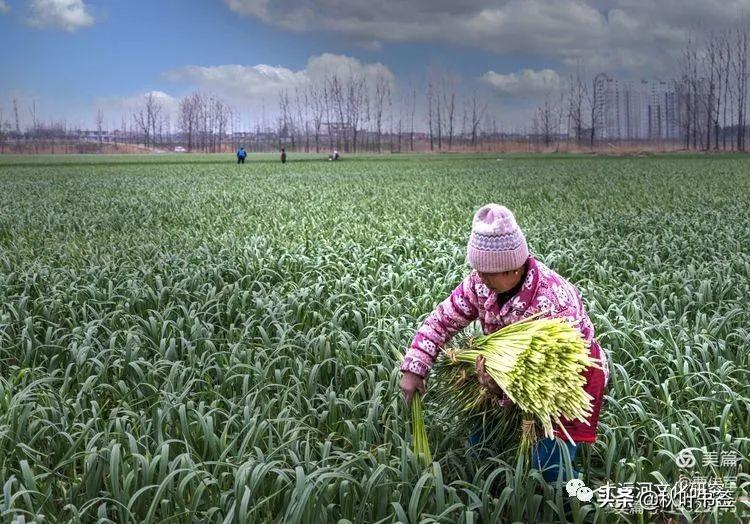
(496, 243)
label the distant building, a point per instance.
(243, 135)
(94, 135)
(336, 128)
(640, 110)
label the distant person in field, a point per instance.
(507, 284)
(334, 155)
(241, 154)
(283, 156)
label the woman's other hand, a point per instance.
(411, 383)
(484, 378)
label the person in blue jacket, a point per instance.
(241, 154)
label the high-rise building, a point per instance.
(640, 110)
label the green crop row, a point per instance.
(206, 342)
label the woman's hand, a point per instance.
(411, 383)
(485, 379)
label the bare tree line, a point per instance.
(353, 113)
(39, 136)
(204, 122)
(712, 88)
(703, 108)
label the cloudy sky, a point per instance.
(74, 56)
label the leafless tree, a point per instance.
(4, 127)
(382, 92)
(710, 66)
(303, 112)
(188, 114)
(339, 102)
(220, 114)
(329, 111)
(477, 113)
(299, 123)
(34, 126)
(412, 113)
(449, 103)
(560, 110)
(718, 48)
(400, 130)
(577, 96)
(741, 72)
(725, 60)
(439, 123)
(691, 67)
(15, 117)
(546, 120)
(430, 97)
(355, 104)
(317, 109)
(155, 111)
(100, 125)
(148, 118)
(285, 119)
(391, 116)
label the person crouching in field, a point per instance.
(507, 284)
(241, 154)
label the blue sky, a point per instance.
(72, 56)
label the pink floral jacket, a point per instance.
(542, 290)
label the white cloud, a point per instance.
(120, 110)
(244, 84)
(4, 8)
(320, 66)
(238, 80)
(526, 83)
(642, 36)
(117, 108)
(69, 15)
(500, 26)
(294, 17)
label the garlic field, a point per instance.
(183, 339)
